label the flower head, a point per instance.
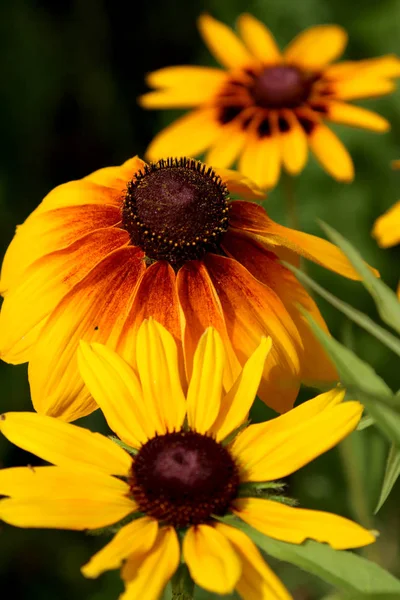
(267, 107)
(192, 461)
(166, 240)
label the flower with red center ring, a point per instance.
(192, 461)
(267, 107)
(101, 254)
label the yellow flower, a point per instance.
(182, 474)
(267, 107)
(101, 254)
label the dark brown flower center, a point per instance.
(281, 87)
(176, 210)
(183, 478)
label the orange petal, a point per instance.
(117, 177)
(201, 307)
(156, 297)
(294, 144)
(226, 148)
(239, 185)
(52, 230)
(45, 283)
(252, 310)
(253, 218)
(317, 46)
(260, 160)
(94, 310)
(381, 67)
(224, 44)
(361, 86)
(341, 112)
(82, 192)
(331, 153)
(315, 363)
(386, 229)
(295, 525)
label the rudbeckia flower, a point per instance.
(192, 461)
(101, 254)
(266, 107)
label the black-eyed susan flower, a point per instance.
(267, 107)
(188, 467)
(166, 240)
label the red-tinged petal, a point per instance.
(250, 217)
(50, 231)
(45, 283)
(93, 310)
(156, 297)
(201, 307)
(262, 264)
(252, 310)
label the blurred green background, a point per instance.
(71, 73)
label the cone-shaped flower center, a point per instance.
(182, 478)
(176, 210)
(281, 87)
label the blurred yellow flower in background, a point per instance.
(101, 254)
(267, 107)
(192, 460)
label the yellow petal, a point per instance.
(182, 86)
(59, 513)
(205, 387)
(331, 153)
(137, 537)
(44, 284)
(257, 581)
(294, 145)
(261, 160)
(361, 86)
(116, 389)
(295, 525)
(227, 147)
(63, 444)
(316, 47)
(190, 135)
(146, 574)
(340, 112)
(213, 563)
(60, 482)
(237, 402)
(157, 363)
(381, 67)
(117, 177)
(386, 229)
(248, 216)
(266, 454)
(258, 39)
(239, 185)
(227, 48)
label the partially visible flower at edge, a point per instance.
(166, 240)
(267, 107)
(182, 475)
(386, 228)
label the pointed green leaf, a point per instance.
(387, 338)
(392, 473)
(342, 569)
(385, 299)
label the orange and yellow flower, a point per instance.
(186, 469)
(101, 254)
(267, 107)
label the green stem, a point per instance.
(182, 584)
(290, 204)
(358, 497)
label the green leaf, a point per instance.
(381, 334)
(365, 422)
(385, 299)
(392, 473)
(342, 569)
(362, 383)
